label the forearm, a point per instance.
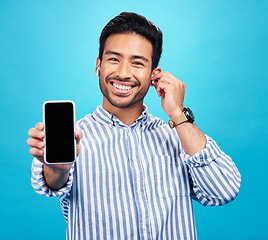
(192, 139)
(55, 179)
(215, 178)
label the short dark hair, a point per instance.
(128, 22)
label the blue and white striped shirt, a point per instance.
(137, 182)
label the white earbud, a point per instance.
(98, 71)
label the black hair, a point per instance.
(128, 22)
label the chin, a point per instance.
(121, 104)
(124, 103)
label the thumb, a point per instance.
(78, 135)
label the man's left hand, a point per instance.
(171, 90)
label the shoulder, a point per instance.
(84, 122)
(157, 124)
(159, 133)
(89, 119)
(154, 122)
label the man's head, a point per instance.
(128, 22)
(130, 49)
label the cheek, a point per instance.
(103, 74)
(146, 80)
(143, 75)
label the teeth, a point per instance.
(121, 87)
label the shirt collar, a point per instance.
(106, 118)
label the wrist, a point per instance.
(185, 116)
(60, 169)
(176, 113)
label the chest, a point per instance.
(118, 161)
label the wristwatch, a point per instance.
(186, 116)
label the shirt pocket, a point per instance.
(171, 177)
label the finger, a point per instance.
(168, 81)
(35, 143)
(157, 76)
(35, 133)
(157, 88)
(165, 77)
(158, 80)
(160, 88)
(37, 153)
(39, 126)
(78, 136)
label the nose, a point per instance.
(124, 70)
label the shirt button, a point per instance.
(134, 159)
(139, 193)
(144, 228)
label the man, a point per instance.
(135, 176)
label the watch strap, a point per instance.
(177, 120)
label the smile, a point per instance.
(122, 87)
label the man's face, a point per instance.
(125, 69)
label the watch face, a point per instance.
(189, 114)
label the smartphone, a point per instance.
(59, 127)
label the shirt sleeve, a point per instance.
(40, 186)
(214, 178)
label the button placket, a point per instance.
(138, 180)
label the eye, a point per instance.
(113, 59)
(137, 63)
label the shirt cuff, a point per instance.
(40, 186)
(204, 157)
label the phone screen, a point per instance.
(59, 119)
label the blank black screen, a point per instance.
(59, 132)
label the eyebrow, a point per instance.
(110, 52)
(140, 57)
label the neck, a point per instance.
(127, 115)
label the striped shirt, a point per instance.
(137, 182)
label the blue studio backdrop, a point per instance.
(218, 48)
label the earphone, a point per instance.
(98, 71)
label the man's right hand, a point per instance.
(36, 142)
(56, 175)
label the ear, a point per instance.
(156, 71)
(97, 68)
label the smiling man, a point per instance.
(135, 176)
(125, 72)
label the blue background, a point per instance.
(218, 48)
